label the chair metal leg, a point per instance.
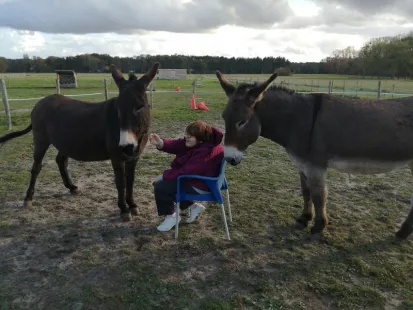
(177, 211)
(225, 221)
(229, 206)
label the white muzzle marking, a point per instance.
(232, 154)
(127, 137)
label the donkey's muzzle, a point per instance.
(127, 138)
(128, 149)
(232, 155)
(232, 161)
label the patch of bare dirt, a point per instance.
(47, 245)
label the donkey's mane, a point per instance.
(132, 77)
(244, 86)
(275, 87)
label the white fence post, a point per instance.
(6, 103)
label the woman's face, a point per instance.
(190, 141)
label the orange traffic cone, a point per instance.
(202, 106)
(193, 103)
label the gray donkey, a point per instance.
(319, 131)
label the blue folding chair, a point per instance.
(215, 185)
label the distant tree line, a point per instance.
(380, 57)
(139, 64)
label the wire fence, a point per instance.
(379, 89)
(375, 89)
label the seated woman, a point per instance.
(199, 152)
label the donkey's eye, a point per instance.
(137, 110)
(241, 124)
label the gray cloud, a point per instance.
(355, 18)
(294, 50)
(130, 16)
(308, 42)
(368, 31)
(329, 16)
(370, 8)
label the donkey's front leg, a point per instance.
(407, 227)
(130, 178)
(307, 215)
(120, 180)
(318, 191)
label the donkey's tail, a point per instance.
(15, 134)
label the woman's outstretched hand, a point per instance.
(154, 139)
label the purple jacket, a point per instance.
(204, 159)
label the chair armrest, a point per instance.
(195, 176)
(208, 180)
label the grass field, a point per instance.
(73, 252)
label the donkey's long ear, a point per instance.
(117, 75)
(148, 76)
(226, 86)
(255, 93)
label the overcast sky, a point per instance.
(299, 30)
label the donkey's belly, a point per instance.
(81, 148)
(81, 137)
(366, 166)
(83, 154)
(355, 166)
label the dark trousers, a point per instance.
(165, 192)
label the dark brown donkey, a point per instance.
(116, 129)
(319, 131)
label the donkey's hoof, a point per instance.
(314, 237)
(400, 235)
(403, 232)
(300, 223)
(125, 216)
(134, 211)
(27, 204)
(75, 190)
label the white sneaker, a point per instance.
(195, 211)
(168, 223)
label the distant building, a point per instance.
(171, 74)
(67, 78)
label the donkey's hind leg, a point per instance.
(318, 191)
(62, 162)
(40, 148)
(307, 214)
(407, 227)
